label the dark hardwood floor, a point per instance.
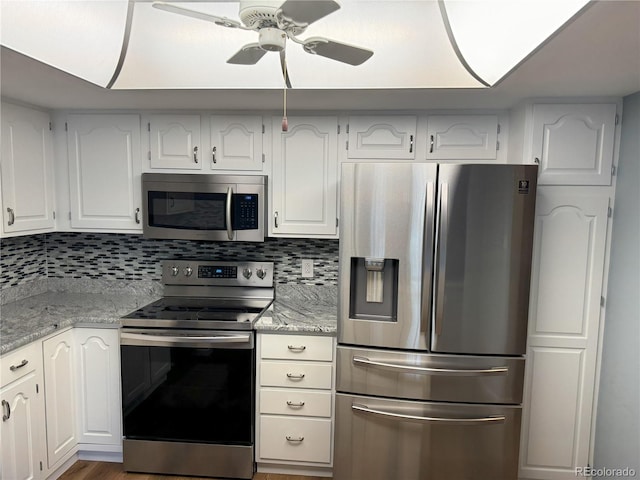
(84, 470)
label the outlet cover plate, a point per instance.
(307, 268)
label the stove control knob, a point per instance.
(261, 272)
(188, 271)
(246, 273)
(175, 271)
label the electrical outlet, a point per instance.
(307, 268)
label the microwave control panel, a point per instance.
(245, 212)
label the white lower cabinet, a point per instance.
(22, 398)
(567, 279)
(98, 386)
(59, 384)
(295, 403)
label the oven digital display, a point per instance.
(212, 271)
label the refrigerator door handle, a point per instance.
(494, 419)
(460, 372)
(440, 257)
(427, 262)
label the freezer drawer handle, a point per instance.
(295, 404)
(433, 371)
(294, 439)
(295, 376)
(494, 419)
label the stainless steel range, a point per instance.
(188, 378)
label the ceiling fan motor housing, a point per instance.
(272, 39)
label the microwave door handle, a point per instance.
(228, 216)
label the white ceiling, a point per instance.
(597, 54)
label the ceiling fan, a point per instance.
(275, 22)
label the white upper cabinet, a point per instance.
(236, 142)
(304, 179)
(390, 137)
(574, 143)
(462, 137)
(104, 172)
(27, 171)
(174, 142)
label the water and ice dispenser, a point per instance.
(374, 289)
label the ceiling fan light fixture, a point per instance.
(272, 39)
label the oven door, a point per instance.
(201, 210)
(188, 392)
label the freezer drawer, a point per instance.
(380, 439)
(424, 376)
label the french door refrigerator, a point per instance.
(435, 264)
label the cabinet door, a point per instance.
(98, 382)
(564, 321)
(305, 176)
(22, 429)
(382, 137)
(27, 170)
(104, 171)
(574, 143)
(463, 137)
(174, 142)
(236, 142)
(59, 382)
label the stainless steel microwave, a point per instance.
(204, 207)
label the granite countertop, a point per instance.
(302, 308)
(298, 308)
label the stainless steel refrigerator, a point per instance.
(435, 265)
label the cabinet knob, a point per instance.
(536, 161)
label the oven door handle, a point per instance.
(150, 339)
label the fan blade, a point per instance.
(341, 52)
(248, 55)
(222, 21)
(285, 71)
(308, 11)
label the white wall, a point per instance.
(617, 442)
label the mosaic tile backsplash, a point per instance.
(131, 257)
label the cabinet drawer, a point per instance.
(296, 347)
(295, 402)
(295, 439)
(299, 375)
(19, 362)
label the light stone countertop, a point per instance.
(298, 308)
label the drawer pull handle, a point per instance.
(299, 349)
(295, 376)
(295, 404)
(6, 407)
(294, 439)
(13, 368)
